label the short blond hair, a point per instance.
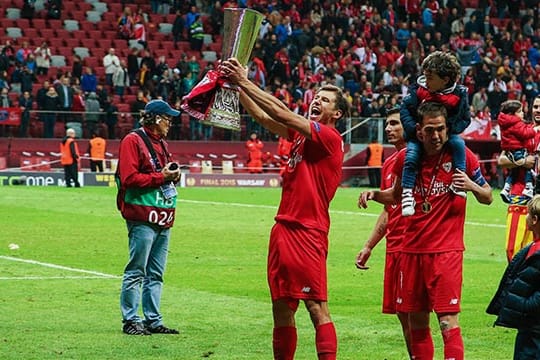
(534, 206)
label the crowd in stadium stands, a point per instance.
(372, 49)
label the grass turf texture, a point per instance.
(215, 285)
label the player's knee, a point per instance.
(444, 325)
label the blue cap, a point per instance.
(160, 107)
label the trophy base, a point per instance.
(222, 119)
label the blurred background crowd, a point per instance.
(139, 50)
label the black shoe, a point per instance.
(135, 328)
(162, 330)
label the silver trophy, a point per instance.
(241, 29)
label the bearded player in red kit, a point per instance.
(430, 265)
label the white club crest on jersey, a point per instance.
(447, 166)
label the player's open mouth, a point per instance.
(315, 111)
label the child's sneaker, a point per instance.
(461, 193)
(505, 193)
(529, 190)
(407, 202)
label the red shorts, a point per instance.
(391, 273)
(297, 263)
(430, 282)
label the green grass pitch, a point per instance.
(59, 292)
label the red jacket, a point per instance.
(515, 134)
(139, 196)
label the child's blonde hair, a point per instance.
(534, 206)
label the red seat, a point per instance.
(87, 26)
(72, 43)
(39, 23)
(83, 5)
(65, 51)
(95, 34)
(22, 23)
(110, 17)
(105, 26)
(55, 23)
(161, 52)
(78, 15)
(47, 33)
(124, 108)
(92, 62)
(69, 6)
(78, 34)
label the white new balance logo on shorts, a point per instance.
(306, 289)
(453, 301)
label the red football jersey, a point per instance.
(396, 222)
(440, 229)
(311, 177)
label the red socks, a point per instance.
(453, 344)
(284, 342)
(422, 344)
(326, 341)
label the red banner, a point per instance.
(10, 116)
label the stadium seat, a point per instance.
(58, 60)
(92, 62)
(104, 25)
(110, 17)
(14, 32)
(71, 25)
(78, 34)
(154, 45)
(87, 26)
(115, 7)
(83, 6)
(21, 23)
(69, 7)
(39, 24)
(105, 44)
(13, 13)
(82, 51)
(32, 34)
(161, 52)
(39, 5)
(209, 56)
(47, 33)
(78, 15)
(72, 43)
(65, 51)
(91, 1)
(165, 28)
(100, 7)
(215, 46)
(54, 23)
(96, 35)
(93, 16)
(135, 44)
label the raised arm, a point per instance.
(261, 117)
(273, 107)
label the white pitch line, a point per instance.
(342, 212)
(50, 277)
(54, 266)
